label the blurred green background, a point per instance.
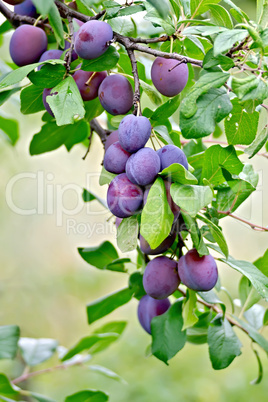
(45, 285)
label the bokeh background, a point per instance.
(45, 285)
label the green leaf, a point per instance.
(6, 389)
(156, 217)
(134, 9)
(177, 173)
(201, 6)
(255, 335)
(262, 12)
(161, 6)
(211, 61)
(56, 24)
(164, 111)
(88, 342)
(191, 198)
(5, 27)
(135, 283)
(256, 277)
(102, 257)
(216, 233)
(93, 109)
(41, 398)
(260, 372)
(212, 107)
(220, 16)
(49, 76)
(241, 127)
(5, 95)
(203, 30)
(105, 177)
(262, 263)
(197, 334)
(127, 234)
(223, 343)
(258, 143)
(9, 336)
(216, 158)
(89, 196)
(66, 102)
(205, 82)
(151, 92)
(106, 373)
(10, 128)
(52, 136)
(188, 312)
(36, 351)
(123, 26)
(19, 74)
(241, 86)
(89, 395)
(43, 7)
(101, 307)
(168, 336)
(227, 39)
(195, 233)
(31, 100)
(106, 61)
(238, 190)
(247, 293)
(154, 17)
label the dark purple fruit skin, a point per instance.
(162, 248)
(198, 273)
(50, 55)
(116, 94)
(73, 5)
(47, 92)
(89, 91)
(149, 308)
(170, 154)
(174, 207)
(143, 166)
(91, 40)
(169, 83)
(134, 132)
(111, 139)
(160, 278)
(27, 44)
(13, 2)
(26, 8)
(115, 158)
(123, 197)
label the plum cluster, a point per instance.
(126, 155)
(162, 277)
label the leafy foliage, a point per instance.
(220, 115)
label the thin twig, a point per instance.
(17, 19)
(28, 375)
(102, 133)
(217, 310)
(68, 55)
(137, 94)
(129, 44)
(252, 225)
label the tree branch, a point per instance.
(68, 55)
(217, 310)
(16, 19)
(129, 44)
(102, 133)
(137, 95)
(66, 12)
(252, 225)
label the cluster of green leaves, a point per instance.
(223, 98)
(33, 352)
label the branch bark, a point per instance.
(137, 94)
(16, 19)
